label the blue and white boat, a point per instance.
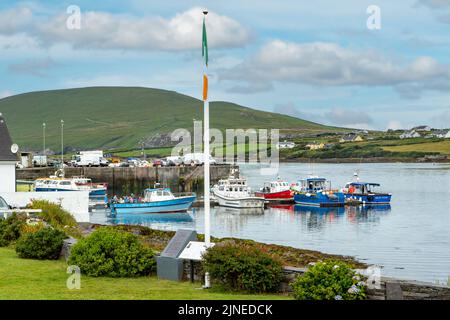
(97, 191)
(366, 193)
(316, 192)
(156, 200)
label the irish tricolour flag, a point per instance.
(205, 56)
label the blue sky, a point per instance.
(317, 61)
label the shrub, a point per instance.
(57, 217)
(31, 228)
(44, 244)
(243, 267)
(10, 228)
(329, 280)
(114, 253)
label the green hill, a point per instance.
(120, 117)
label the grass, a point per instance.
(24, 188)
(438, 146)
(34, 279)
(120, 117)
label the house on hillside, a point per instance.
(410, 134)
(351, 138)
(315, 146)
(285, 145)
(439, 134)
(421, 129)
(8, 159)
(447, 136)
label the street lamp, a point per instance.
(62, 146)
(43, 135)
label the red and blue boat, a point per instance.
(276, 191)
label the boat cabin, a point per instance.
(361, 187)
(235, 186)
(275, 186)
(313, 184)
(158, 194)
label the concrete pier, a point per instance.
(133, 180)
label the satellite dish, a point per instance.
(14, 148)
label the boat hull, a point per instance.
(167, 206)
(281, 196)
(320, 199)
(245, 202)
(381, 199)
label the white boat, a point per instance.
(235, 193)
(97, 191)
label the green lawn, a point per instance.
(439, 146)
(33, 279)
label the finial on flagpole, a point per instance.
(205, 12)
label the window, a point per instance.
(3, 204)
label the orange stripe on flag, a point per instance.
(205, 87)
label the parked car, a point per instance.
(158, 163)
(197, 159)
(4, 205)
(174, 160)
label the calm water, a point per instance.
(410, 239)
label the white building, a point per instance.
(8, 159)
(422, 129)
(285, 145)
(410, 134)
(447, 136)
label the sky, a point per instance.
(314, 60)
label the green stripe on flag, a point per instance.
(205, 44)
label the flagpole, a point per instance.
(206, 149)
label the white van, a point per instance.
(197, 159)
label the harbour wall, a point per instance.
(122, 180)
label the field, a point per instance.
(33, 279)
(123, 117)
(442, 147)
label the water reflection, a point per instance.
(152, 220)
(235, 219)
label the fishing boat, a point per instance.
(365, 193)
(155, 200)
(276, 191)
(316, 192)
(235, 193)
(97, 191)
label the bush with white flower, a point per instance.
(329, 280)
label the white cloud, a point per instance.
(102, 30)
(328, 64)
(395, 125)
(5, 94)
(349, 117)
(434, 4)
(36, 67)
(15, 20)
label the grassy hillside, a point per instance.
(120, 117)
(442, 147)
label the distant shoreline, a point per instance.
(359, 160)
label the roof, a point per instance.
(364, 184)
(5, 142)
(315, 179)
